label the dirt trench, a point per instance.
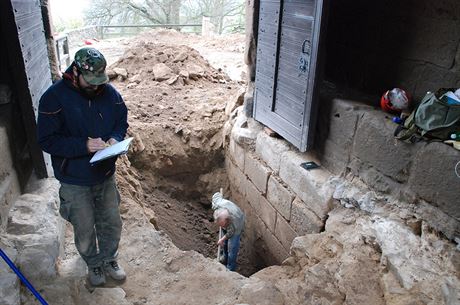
(177, 103)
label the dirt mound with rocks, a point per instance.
(176, 104)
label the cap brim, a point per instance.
(95, 79)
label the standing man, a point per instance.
(78, 116)
(231, 219)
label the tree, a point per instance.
(221, 12)
(225, 14)
(130, 11)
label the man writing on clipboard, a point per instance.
(78, 116)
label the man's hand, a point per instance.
(221, 241)
(112, 141)
(94, 145)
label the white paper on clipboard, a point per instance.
(112, 151)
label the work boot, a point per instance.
(115, 271)
(96, 276)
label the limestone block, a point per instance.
(253, 195)
(434, 177)
(275, 251)
(38, 261)
(310, 186)
(375, 145)
(236, 177)
(438, 220)
(280, 197)
(9, 289)
(267, 213)
(342, 121)
(257, 173)
(375, 179)
(303, 220)
(244, 132)
(237, 153)
(34, 214)
(339, 120)
(400, 246)
(35, 227)
(9, 281)
(334, 158)
(270, 150)
(244, 136)
(284, 232)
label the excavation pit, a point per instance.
(188, 221)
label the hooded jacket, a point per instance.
(67, 117)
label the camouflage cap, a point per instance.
(91, 63)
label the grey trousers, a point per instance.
(94, 214)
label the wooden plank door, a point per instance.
(286, 68)
(22, 24)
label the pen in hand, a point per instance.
(94, 145)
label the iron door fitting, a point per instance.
(304, 59)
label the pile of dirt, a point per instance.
(176, 104)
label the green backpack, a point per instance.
(433, 118)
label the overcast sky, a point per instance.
(68, 9)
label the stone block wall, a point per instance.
(281, 200)
(356, 142)
(362, 166)
(375, 46)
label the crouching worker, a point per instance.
(78, 116)
(231, 219)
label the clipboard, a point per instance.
(114, 150)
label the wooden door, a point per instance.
(22, 27)
(286, 69)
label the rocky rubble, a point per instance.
(364, 259)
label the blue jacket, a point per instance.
(67, 117)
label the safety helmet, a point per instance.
(395, 100)
(91, 64)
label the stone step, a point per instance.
(35, 228)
